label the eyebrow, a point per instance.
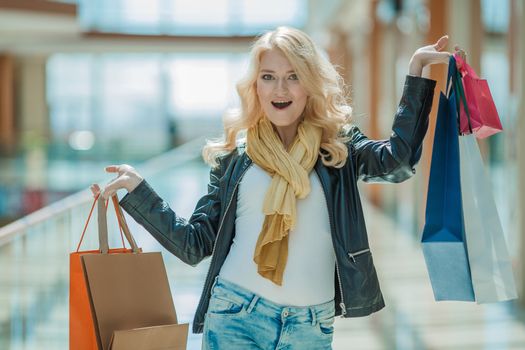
(271, 71)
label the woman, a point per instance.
(289, 245)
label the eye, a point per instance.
(266, 77)
(293, 77)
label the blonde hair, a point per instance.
(326, 106)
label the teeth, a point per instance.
(281, 104)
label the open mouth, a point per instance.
(281, 104)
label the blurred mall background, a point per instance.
(88, 83)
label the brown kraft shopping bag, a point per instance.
(130, 292)
(170, 337)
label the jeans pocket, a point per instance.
(222, 305)
(326, 324)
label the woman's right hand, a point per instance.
(127, 178)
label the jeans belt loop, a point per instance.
(314, 316)
(254, 301)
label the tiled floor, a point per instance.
(34, 287)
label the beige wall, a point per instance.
(521, 146)
(7, 117)
(32, 113)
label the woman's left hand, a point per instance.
(431, 54)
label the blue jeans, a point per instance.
(240, 319)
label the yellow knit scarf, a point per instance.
(290, 179)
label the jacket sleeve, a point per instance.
(190, 240)
(393, 160)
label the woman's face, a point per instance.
(280, 92)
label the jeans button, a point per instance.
(285, 313)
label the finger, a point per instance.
(95, 189)
(441, 43)
(112, 168)
(111, 190)
(114, 185)
(445, 56)
(440, 57)
(108, 192)
(459, 49)
(462, 54)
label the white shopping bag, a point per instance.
(489, 259)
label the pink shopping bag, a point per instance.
(484, 118)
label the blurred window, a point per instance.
(495, 15)
(190, 17)
(132, 102)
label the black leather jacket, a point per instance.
(211, 228)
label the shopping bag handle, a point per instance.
(89, 218)
(103, 225)
(464, 68)
(463, 99)
(450, 76)
(454, 83)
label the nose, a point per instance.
(282, 85)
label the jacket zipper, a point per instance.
(220, 227)
(342, 303)
(353, 255)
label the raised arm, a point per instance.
(393, 160)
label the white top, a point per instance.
(309, 273)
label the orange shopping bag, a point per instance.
(82, 334)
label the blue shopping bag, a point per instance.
(443, 239)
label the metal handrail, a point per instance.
(175, 157)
